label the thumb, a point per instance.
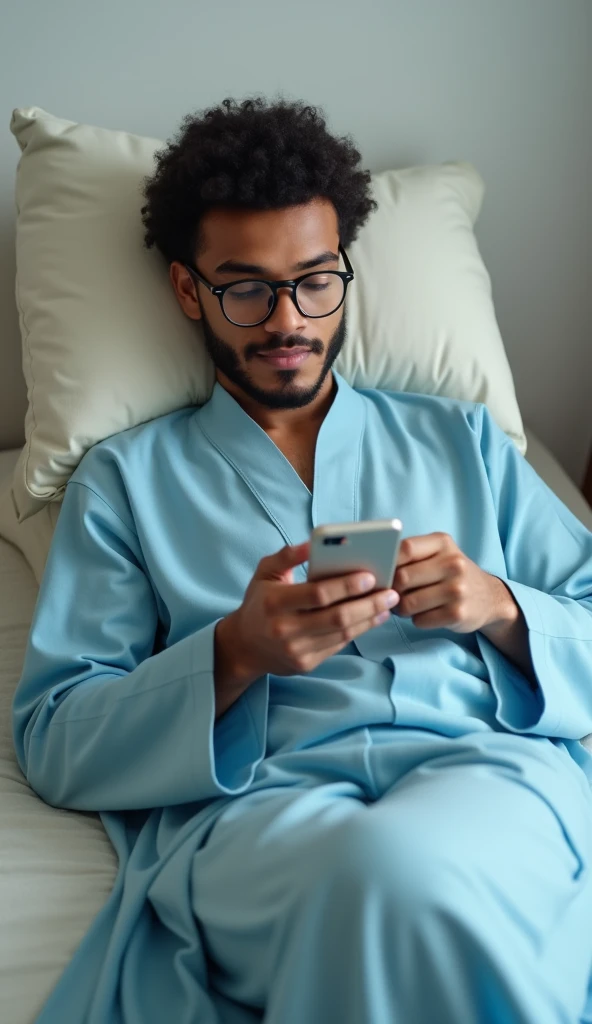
(276, 566)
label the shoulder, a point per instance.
(128, 446)
(414, 411)
(109, 468)
(440, 422)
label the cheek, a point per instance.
(216, 324)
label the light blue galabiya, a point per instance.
(403, 835)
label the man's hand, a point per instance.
(440, 587)
(287, 628)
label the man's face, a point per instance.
(267, 245)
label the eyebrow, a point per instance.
(237, 266)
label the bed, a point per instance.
(94, 307)
(57, 867)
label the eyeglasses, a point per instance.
(251, 301)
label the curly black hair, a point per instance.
(256, 155)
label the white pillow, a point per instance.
(106, 345)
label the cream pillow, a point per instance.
(106, 345)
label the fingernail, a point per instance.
(392, 598)
(367, 581)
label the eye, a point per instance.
(315, 287)
(319, 283)
(245, 292)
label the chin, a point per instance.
(294, 389)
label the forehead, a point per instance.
(277, 239)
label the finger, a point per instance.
(348, 615)
(425, 545)
(321, 593)
(423, 600)
(273, 566)
(437, 618)
(332, 642)
(344, 615)
(420, 574)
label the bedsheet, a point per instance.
(56, 867)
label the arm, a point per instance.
(509, 632)
(102, 723)
(548, 555)
(230, 677)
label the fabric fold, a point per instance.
(560, 643)
(99, 732)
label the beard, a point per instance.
(288, 394)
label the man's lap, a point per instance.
(470, 834)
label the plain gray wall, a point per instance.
(506, 84)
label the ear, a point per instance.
(185, 288)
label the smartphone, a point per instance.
(340, 548)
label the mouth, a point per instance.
(285, 358)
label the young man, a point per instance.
(330, 803)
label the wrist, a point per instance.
(505, 611)
(233, 666)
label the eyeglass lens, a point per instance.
(249, 302)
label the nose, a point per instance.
(285, 318)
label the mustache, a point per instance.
(312, 345)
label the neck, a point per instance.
(285, 421)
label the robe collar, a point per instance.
(271, 477)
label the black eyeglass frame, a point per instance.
(220, 289)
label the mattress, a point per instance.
(57, 867)
(556, 478)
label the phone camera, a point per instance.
(334, 540)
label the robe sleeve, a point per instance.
(548, 556)
(100, 721)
